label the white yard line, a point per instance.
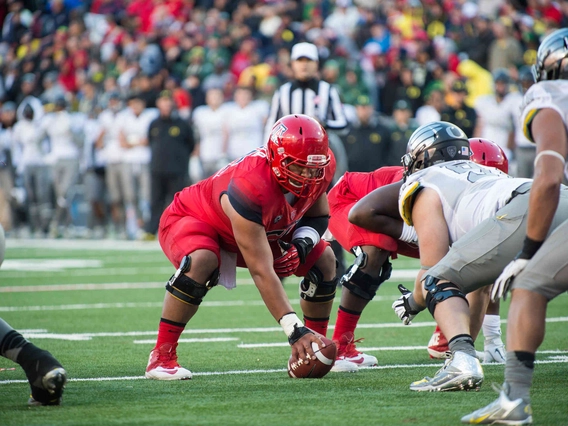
(86, 336)
(75, 245)
(279, 370)
(80, 287)
(133, 271)
(362, 349)
(204, 340)
(400, 274)
(122, 305)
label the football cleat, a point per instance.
(494, 351)
(343, 366)
(460, 372)
(47, 379)
(438, 345)
(347, 351)
(163, 365)
(502, 411)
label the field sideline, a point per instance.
(96, 305)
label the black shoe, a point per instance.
(46, 375)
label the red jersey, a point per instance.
(253, 192)
(357, 185)
(349, 190)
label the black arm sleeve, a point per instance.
(319, 223)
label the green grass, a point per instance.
(225, 389)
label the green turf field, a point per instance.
(96, 306)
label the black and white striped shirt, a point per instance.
(316, 98)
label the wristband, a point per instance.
(530, 247)
(408, 234)
(289, 322)
(307, 232)
(298, 333)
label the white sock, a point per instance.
(491, 327)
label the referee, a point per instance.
(307, 94)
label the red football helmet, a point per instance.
(488, 153)
(298, 154)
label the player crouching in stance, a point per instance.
(382, 232)
(265, 211)
(45, 374)
(481, 215)
(539, 272)
(371, 267)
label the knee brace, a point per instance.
(362, 284)
(437, 293)
(187, 290)
(314, 289)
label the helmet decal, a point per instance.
(277, 132)
(434, 143)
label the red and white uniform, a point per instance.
(195, 219)
(345, 194)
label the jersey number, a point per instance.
(474, 172)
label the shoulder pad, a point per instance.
(406, 199)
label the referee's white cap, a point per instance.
(304, 50)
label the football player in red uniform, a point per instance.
(372, 267)
(265, 211)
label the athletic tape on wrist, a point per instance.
(408, 234)
(288, 321)
(307, 232)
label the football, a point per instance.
(325, 358)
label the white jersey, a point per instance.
(245, 127)
(469, 192)
(209, 125)
(135, 128)
(58, 126)
(545, 94)
(29, 137)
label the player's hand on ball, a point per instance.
(303, 350)
(325, 352)
(503, 283)
(402, 308)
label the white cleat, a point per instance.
(494, 351)
(502, 411)
(343, 366)
(163, 365)
(460, 372)
(347, 351)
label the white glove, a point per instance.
(402, 307)
(503, 283)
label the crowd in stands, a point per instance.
(79, 82)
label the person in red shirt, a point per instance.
(371, 267)
(373, 246)
(265, 211)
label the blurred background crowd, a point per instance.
(107, 107)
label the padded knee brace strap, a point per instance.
(314, 289)
(362, 284)
(439, 292)
(187, 290)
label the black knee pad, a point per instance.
(187, 290)
(362, 284)
(314, 289)
(437, 293)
